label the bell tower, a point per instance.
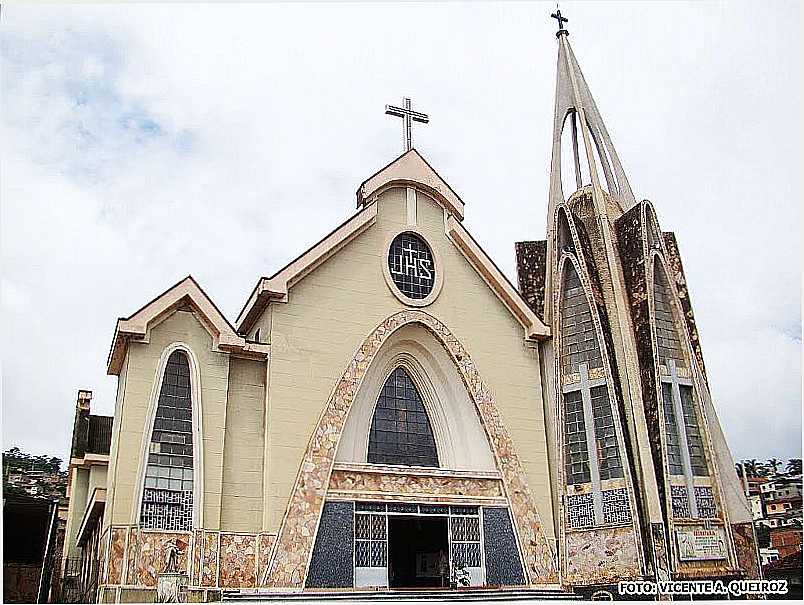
(646, 484)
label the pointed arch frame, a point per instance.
(293, 549)
(578, 261)
(657, 260)
(198, 442)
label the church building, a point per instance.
(390, 412)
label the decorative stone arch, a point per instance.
(460, 440)
(291, 558)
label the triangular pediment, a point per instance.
(411, 169)
(186, 295)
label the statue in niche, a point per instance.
(171, 557)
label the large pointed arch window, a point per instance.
(591, 448)
(167, 496)
(400, 430)
(686, 456)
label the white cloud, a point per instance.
(136, 136)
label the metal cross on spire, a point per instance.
(409, 116)
(561, 21)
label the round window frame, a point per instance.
(389, 280)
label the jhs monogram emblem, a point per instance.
(410, 263)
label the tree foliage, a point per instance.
(16, 459)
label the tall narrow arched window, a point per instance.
(580, 357)
(681, 419)
(167, 496)
(400, 429)
(591, 447)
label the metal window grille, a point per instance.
(680, 502)
(400, 430)
(371, 540)
(465, 539)
(616, 507)
(167, 499)
(580, 511)
(705, 500)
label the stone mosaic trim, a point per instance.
(238, 560)
(153, 554)
(116, 548)
(195, 572)
(288, 567)
(209, 559)
(601, 556)
(746, 548)
(428, 487)
(212, 559)
(131, 556)
(266, 545)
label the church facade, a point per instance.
(389, 411)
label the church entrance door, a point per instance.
(418, 549)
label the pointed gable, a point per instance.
(411, 169)
(186, 293)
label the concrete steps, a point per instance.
(471, 594)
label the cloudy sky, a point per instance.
(143, 143)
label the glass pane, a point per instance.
(400, 430)
(168, 492)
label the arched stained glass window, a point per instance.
(679, 403)
(591, 446)
(580, 347)
(167, 497)
(400, 430)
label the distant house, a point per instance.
(768, 555)
(786, 540)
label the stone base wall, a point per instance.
(134, 557)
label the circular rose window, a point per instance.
(411, 265)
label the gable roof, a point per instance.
(409, 169)
(413, 170)
(276, 287)
(187, 291)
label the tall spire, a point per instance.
(592, 147)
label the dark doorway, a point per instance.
(418, 551)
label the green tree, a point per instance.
(773, 466)
(794, 466)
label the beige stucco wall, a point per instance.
(331, 311)
(79, 483)
(135, 398)
(241, 508)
